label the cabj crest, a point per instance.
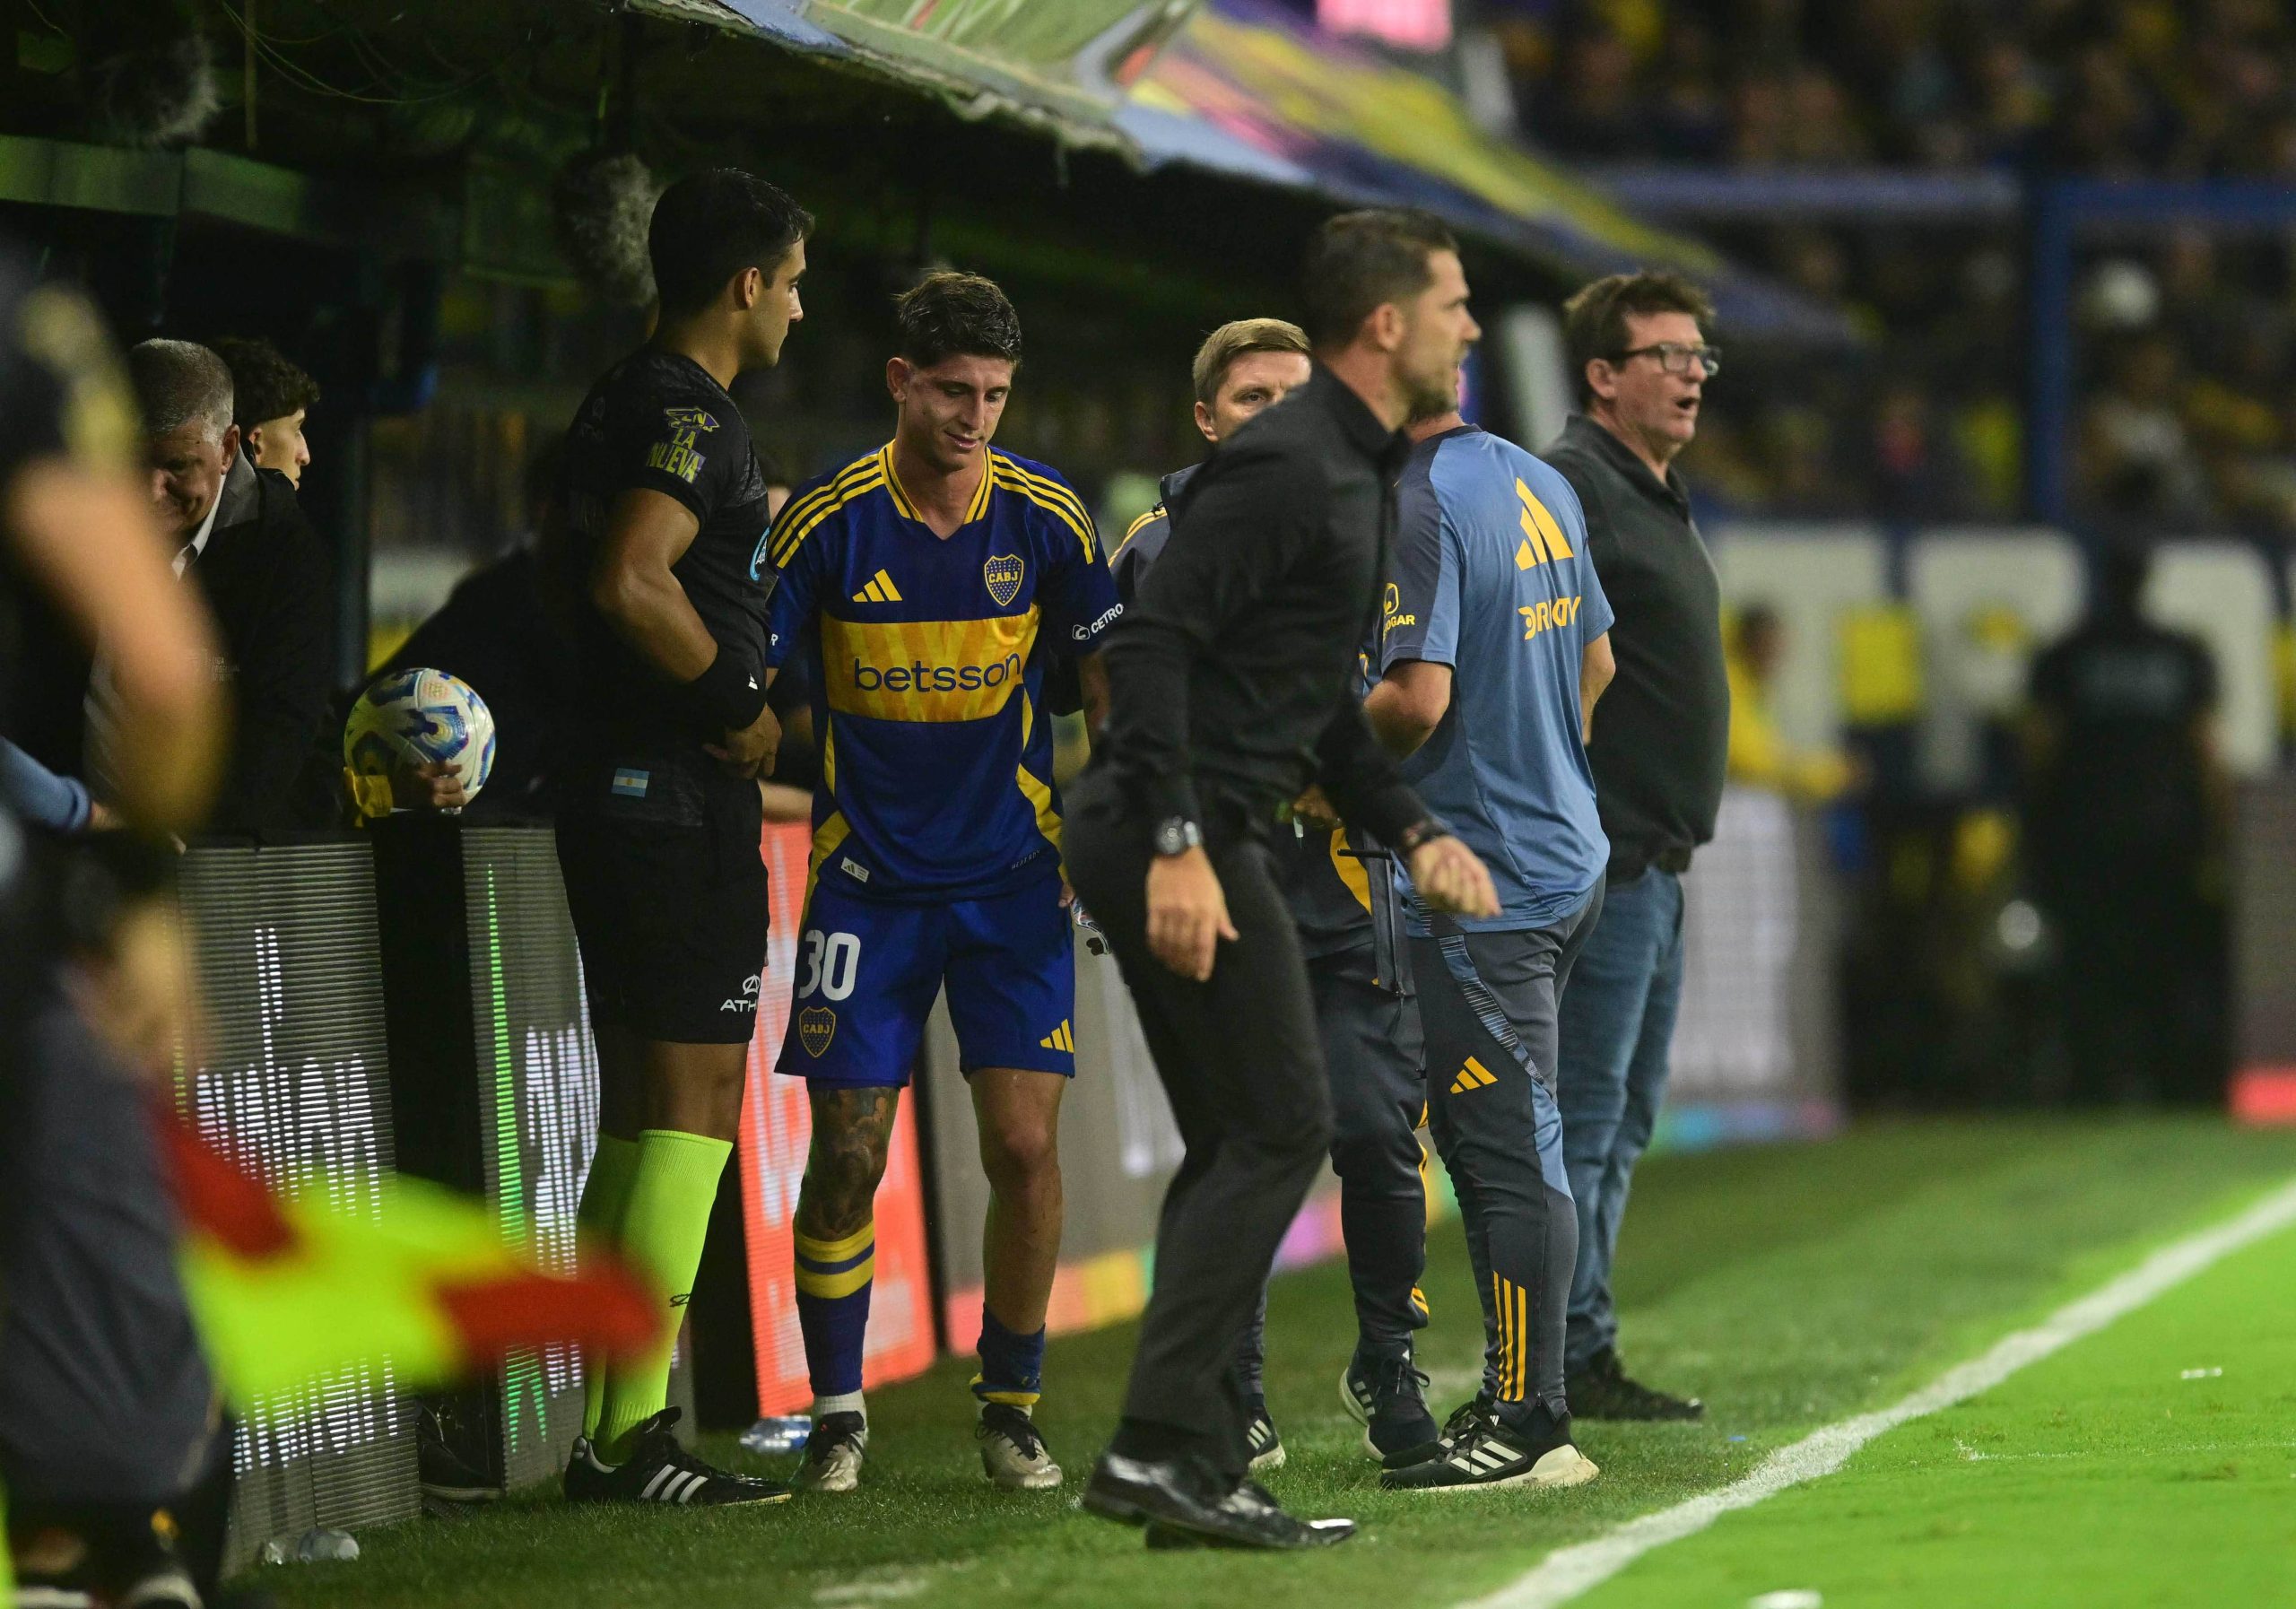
(1003, 573)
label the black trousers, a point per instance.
(1369, 1027)
(1243, 1066)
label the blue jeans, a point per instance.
(1617, 1025)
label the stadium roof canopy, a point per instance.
(1238, 89)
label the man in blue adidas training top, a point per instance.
(1494, 647)
(931, 582)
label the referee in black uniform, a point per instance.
(658, 553)
(1231, 683)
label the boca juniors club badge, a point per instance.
(1003, 573)
(816, 1026)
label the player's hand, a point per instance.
(1187, 913)
(1450, 877)
(1314, 811)
(432, 787)
(749, 752)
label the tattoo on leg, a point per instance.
(852, 1134)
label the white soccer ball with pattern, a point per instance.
(416, 718)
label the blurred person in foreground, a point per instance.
(238, 539)
(2125, 805)
(1232, 685)
(1337, 883)
(270, 400)
(1639, 353)
(115, 1474)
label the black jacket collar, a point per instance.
(1358, 424)
(1584, 434)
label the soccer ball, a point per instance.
(413, 718)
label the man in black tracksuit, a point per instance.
(1232, 692)
(1339, 885)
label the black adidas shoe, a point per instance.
(1261, 1443)
(1471, 1417)
(1539, 1455)
(659, 1471)
(1604, 1390)
(1388, 1397)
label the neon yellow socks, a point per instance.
(672, 1187)
(604, 1194)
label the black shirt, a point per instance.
(658, 422)
(2128, 775)
(265, 579)
(1662, 731)
(1233, 679)
(1333, 880)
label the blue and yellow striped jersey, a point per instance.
(928, 668)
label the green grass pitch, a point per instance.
(1789, 1286)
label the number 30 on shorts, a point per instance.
(832, 962)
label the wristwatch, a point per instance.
(1177, 835)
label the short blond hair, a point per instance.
(1233, 339)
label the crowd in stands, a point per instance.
(2189, 87)
(2188, 341)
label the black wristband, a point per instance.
(1425, 830)
(727, 695)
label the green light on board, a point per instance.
(522, 1381)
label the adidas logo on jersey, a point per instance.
(1474, 1075)
(1060, 1039)
(1542, 537)
(880, 590)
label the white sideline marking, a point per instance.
(1566, 1572)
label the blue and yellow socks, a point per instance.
(834, 1279)
(1012, 1365)
(606, 1193)
(673, 1185)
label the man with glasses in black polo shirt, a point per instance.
(1638, 349)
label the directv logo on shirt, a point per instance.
(1544, 615)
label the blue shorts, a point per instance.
(868, 971)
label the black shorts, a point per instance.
(666, 886)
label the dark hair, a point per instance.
(711, 225)
(950, 315)
(1594, 320)
(265, 384)
(1359, 261)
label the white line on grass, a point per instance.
(1566, 1572)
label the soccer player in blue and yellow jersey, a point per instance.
(933, 580)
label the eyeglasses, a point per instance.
(1674, 358)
